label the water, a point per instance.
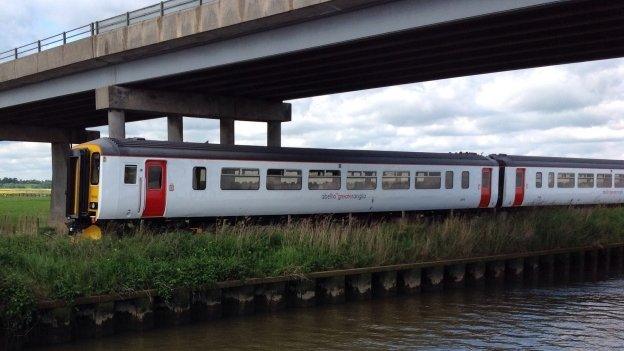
(583, 316)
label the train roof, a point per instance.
(165, 149)
(557, 162)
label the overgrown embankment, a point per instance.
(57, 267)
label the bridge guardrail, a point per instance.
(102, 26)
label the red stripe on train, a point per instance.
(486, 187)
(520, 181)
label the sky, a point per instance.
(572, 110)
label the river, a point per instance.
(581, 316)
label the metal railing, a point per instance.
(103, 26)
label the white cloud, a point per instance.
(570, 110)
(22, 22)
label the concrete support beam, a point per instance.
(227, 132)
(170, 103)
(60, 164)
(175, 128)
(116, 124)
(274, 134)
(28, 133)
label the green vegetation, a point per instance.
(23, 214)
(39, 267)
(14, 183)
(25, 206)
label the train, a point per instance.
(137, 179)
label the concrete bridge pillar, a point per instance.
(60, 161)
(227, 131)
(274, 134)
(116, 124)
(175, 128)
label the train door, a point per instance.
(486, 187)
(520, 181)
(78, 184)
(155, 188)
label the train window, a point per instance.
(324, 180)
(538, 179)
(361, 180)
(565, 180)
(465, 181)
(551, 179)
(428, 180)
(130, 174)
(154, 177)
(395, 180)
(448, 180)
(95, 168)
(604, 181)
(199, 178)
(619, 181)
(586, 180)
(240, 179)
(284, 179)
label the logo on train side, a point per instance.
(339, 196)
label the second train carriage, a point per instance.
(546, 181)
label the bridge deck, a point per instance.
(383, 43)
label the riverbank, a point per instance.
(38, 268)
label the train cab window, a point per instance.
(395, 180)
(448, 180)
(154, 177)
(465, 180)
(538, 180)
(428, 180)
(130, 174)
(361, 180)
(619, 181)
(95, 168)
(323, 179)
(586, 180)
(199, 178)
(284, 179)
(565, 180)
(604, 181)
(240, 179)
(551, 179)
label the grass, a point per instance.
(25, 206)
(57, 267)
(23, 214)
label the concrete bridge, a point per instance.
(241, 59)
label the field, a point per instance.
(23, 210)
(59, 267)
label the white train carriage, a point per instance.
(544, 181)
(137, 179)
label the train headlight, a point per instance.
(93, 205)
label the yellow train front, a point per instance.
(83, 188)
